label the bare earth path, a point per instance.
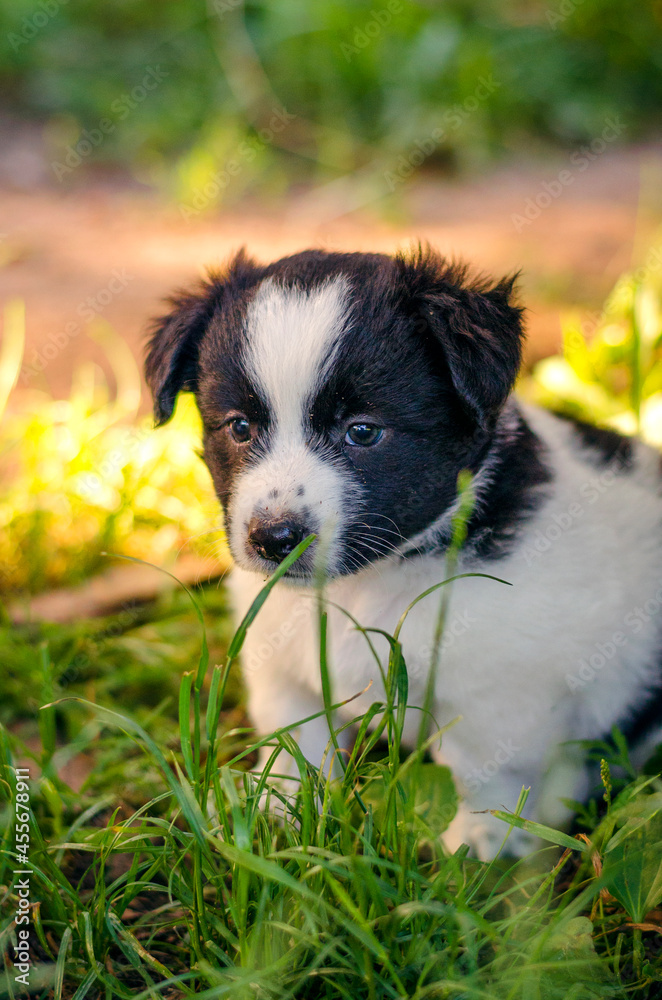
(115, 251)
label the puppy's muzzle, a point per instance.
(273, 540)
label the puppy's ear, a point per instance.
(172, 354)
(474, 323)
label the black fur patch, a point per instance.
(516, 488)
(516, 492)
(473, 322)
(645, 719)
(605, 446)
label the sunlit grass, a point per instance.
(610, 371)
(86, 475)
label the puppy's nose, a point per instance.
(273, 540)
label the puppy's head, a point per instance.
(340, 394)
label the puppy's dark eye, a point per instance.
(240, 429)
(363, 435)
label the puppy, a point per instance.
(341, 395)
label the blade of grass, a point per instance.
(250, 616)
(132, 947)
(65, 945)
(327, 695)
(204, 653)
(185, 722)
(539, 830)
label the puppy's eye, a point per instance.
(363, 435)
(240, 429)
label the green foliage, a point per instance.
(338, 890)
(84, 476)
(611, 369)
(633, 866)
(363, 81)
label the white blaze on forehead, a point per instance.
(292, 335)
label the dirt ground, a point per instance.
(114, 250)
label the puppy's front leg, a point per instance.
(276, 702)
(473, 823)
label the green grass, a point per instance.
(194, 888)
(164, 876)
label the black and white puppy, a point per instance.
(342, 394)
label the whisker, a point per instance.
(374, 543)
(398, 534)
(362, 540)
(374, 513)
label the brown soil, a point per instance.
(61, 247)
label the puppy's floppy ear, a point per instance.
(475, 325)
(172, 353)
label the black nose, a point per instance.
(273, 540)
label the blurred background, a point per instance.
(143, 141)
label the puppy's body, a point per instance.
(341, 395)
(572, 648)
